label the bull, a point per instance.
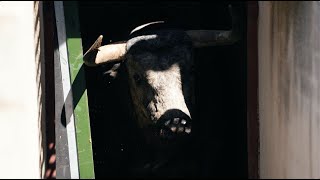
(159, 63)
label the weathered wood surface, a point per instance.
(289, 89)
(66, 145)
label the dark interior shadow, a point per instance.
(219, 139)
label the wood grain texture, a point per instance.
(289, 71)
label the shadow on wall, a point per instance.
(49, 162)
(40, 80)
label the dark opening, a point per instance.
(221, 149)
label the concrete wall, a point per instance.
(289, 89)
(21, 98)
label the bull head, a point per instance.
(159, 65)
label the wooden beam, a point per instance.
(67, 156)
(289, 89)
(252, 90)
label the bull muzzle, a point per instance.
(175, 127)
(168, 133)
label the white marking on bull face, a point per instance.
(168, 87)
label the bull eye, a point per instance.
(137, 78)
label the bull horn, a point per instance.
(98, 54)
(145, 25)
(203, 38)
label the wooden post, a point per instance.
(252, 90)
(289, 89)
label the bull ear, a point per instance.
(98, 54)
(203, 38)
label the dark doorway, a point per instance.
(221, 148)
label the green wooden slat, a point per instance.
(80, 100)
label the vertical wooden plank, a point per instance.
(49, 31)
(67, 121)
(81, 110)
(252, 90)
(62, 153)
(289, 89)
